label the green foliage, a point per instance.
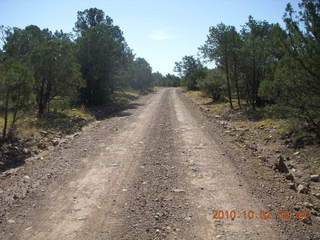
(168, 80)
(56, 72)
(51, 58)
(271, 67)
(257, 60)
(16, 81)
(38, 67)
(213, 84)
(141, 75)
(299, 71)
(221, 47)
(190, 70)
(102, 53)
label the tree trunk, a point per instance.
(6, 110)
(228, 84)
(253, 95)
(41, 106)
(236, 82)
(14, 118)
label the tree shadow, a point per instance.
(13, 153)
(112, 110)
(60, 122)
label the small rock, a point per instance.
(290, 177)
(82, 218)
(195, 169)
(26, 177)
(290, 165)
(315, 178)
(11, 221)
(28, 228)
(296, 153)
(26, 151)
(281, 166)
(307, 221)
(292, 186)
(315, 213)
(55, 141)
(308, 205)
(302, 188)
(317, 195)
(42, 146)
(177, 190)
(44, 133)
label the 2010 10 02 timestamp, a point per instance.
(262, 214)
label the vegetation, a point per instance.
(190, 70)
(41, 70)
(263, 66)
(213, 84)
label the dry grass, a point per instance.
(221, 108)
(29, 124)
(80, 111)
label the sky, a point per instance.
(161, 31)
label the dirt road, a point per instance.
(153, 172)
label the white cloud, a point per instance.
(160, 34)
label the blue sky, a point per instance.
(161, 31)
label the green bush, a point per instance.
(212, 85)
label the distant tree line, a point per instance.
(38, 66)
(264, 64)
(169, 80)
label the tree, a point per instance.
(90, 18)
(213, 84)
(190, 69)
(102, 54)
(16, 80)
(20, 42)
(256, 57)
(236, 45)
(157, 78)
(51, 57)
(172, 80)
(218, 48)
(270, 88)
(56, 72)
(142, 75)
(299, 69)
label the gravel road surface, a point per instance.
(152, 172)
